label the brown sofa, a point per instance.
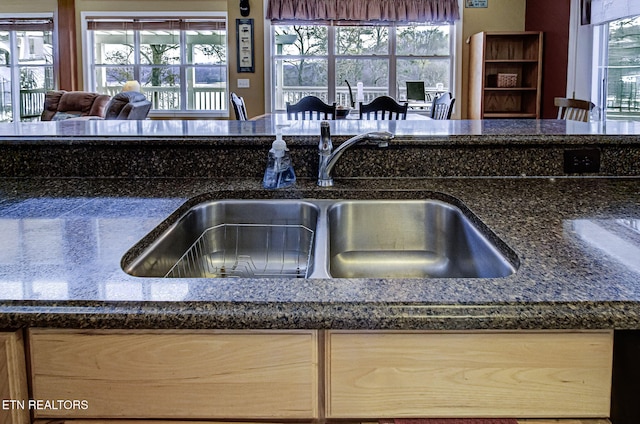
(61, 104)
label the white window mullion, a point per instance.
(184, 99)
(600, 53)
(136, 56)
(15, 75)
(392, 84)
(331, 65)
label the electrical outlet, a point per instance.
(581, 161)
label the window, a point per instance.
(26, 66)
(317, 59)
(621, 69)
(615, 78)
(180, 62)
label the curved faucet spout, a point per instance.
(329, 157)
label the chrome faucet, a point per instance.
(329, 157)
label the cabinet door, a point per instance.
(77, 421)
(483, 374)
(179, 374)
(13, 380)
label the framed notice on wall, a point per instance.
(476, 3)
(244, 40)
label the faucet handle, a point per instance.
(381, 138)
(325, 137)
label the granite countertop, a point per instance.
(76, 196)
(577, 241)
(488, 131)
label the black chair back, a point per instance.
(311, 107)
(352, 103)
(383, 107)
(442, 106)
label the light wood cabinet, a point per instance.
(494, 55)
(13, 380)
(176, 374)
(477, 374)
(80, 421)
(308, 375)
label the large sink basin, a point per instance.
(409, 239)
(321, 239)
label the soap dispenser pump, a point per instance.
(279, 172)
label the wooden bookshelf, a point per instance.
(510, 53)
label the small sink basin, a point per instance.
(233, 238)
(409, 239)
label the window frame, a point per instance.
(89, 59)
(391, 56)
(14, 64)
(600, 83)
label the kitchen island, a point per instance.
(75, 198)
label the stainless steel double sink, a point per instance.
(310, 238)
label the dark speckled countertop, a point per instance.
(577, 239)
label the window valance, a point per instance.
(607, 10)
(432, 11)
(26, 24)
(122, 23)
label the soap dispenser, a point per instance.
(279, 172)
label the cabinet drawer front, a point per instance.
(189, 375)
(499, 374)
(13, 380)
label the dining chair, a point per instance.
(311, 108)
(384, 107)
(239, 107)
(442, 106)
(352, 102)
(573, 109)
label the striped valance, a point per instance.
(431, 11)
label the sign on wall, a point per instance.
(244, 37)
(476, 3)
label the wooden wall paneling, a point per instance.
(67, 63)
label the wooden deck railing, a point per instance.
(168, 98)
(31, 103)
